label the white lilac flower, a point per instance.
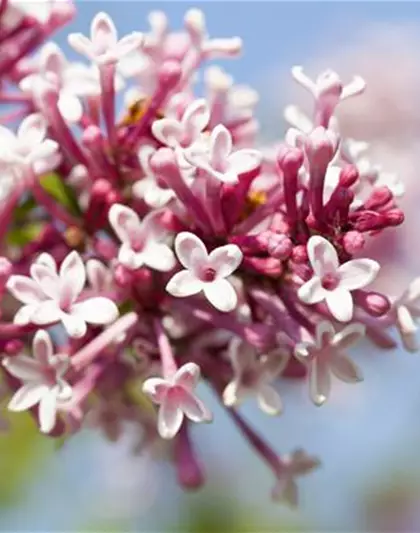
(29, 148)
(219, 160)
(104, 47)
(99, 276)
(325, 355)
(333, 282)
(253, 376)
(42, 379)
(142, 241)
(205, 272)
(176, 399)
(51, 296)
(407, 309)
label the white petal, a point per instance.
(47, 411)
(340, 304)
(74, 325)
(187, 376)
(302, 79)
(194, 408)
(159, 257)
(344, 368)
(184, 284)
(70, 107)
(47, 260)
(32, 130)
(24, 368)
(129, 43)
(46, 312)
(319, 381)
(348, 336)
(47, 279)
(196, 117)
(220, 146)
(269, 400)
(27, 396)
(42, 347)
(168, 131)
(225, 259)
(170, 418)
(156, 388)
(312, 291)
(103, 32)
(24, 315)
(190, 250)
(324, 334)
(129, 258)
(73, 273)
(125, 222)
(230, 394)
(322, 255)
(24, 289)
(358, 273)
(81, 44)
(99, 276)
(242, 356)
(98, 311)
(244, 161)
(221, 295)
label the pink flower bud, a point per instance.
(299, 254)
(320, 147)
(394, 217)
(379, 197)
(279, 246)
(13, 347)
(348, 176)
(123, 277)
(170, 74)
(374, 303)
(353, 242)
(290, 159)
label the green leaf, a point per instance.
(54, 185)
(22, 235)
(21, 212)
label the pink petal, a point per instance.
(80, 43)
(170, 418)
(244, 161)
(74, 325)
(52, 59)
(242, 356)
(47, 411)
(183, 284)
(220, 147)
(156, 388)
(322, 255)
(194, 409)
(187, 376)
(42, 347)
(225, 260)
(358, 273)
(221, 295)
(98, 311)
(159, 257)
(344, 368)
(47, 279)
(73, 274)
(324, 334)
(286, 490)
(190, 251)
(98, 275)
(32, 130)
(312, 292)
(24, 368)
(125, 222)
(269, 400)
(196, 118)
(27, 396)
(168, 131)
(46, 312)
(25, 289)
(319, 381)
(129, 43)
(103, 33)
(340, 304)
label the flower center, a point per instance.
(330, 281)
(209, 274)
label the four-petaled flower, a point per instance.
(407, 309)
(175, 397)
(253, 377)
(333, 282)
(297, 463)
(325, 355)
(217, 158)
(205, 272)
(42, 377)
(103, 47)
(29, 149)
(142, 241)
(50, 296)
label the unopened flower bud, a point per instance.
(394, 217)
(169, 74)
(353, 242)
(374, 303)
(378, 198)
(123, 277)
(348, 176)
(279, 246)
(299, 254)
(320, 146)
(13, 347)
(289, 159)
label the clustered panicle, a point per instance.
(142, 251)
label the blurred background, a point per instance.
(367, 436)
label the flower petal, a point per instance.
(230, 394)
(98, 310)
(74, 325)
(312, 291)
(70, 107)
(159, 257)
(47, 411)
(184, 284)
(73, 275)
(196, 118)
(99, 276)
(269, 400)
(220, 147)
(46, 312)
(42, 347)
(322, 255)
(103, 33)
(340, 304)
(125, 222)
(32, 130)
(156, 389)
(324, 334)
(344, 368)
(194, 408)
(190, 250)
(27, 396)
(348, 336)
(221, 295)
(24, 368)
(25, 289)
(24, 315)
(187, 376)
(358, 273)
(47, 279)
(244, 161)
(225, 259)
(170, 418)
(168, 131)
(319, 381)
(129, 43)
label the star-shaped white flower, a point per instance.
(104, 47)
(217, 158)
(142, 241)
(42, 377)
(325, 355)
(333, 282)
(253, 377)
(407, 309)
(176, 399)
(50, 296)
(29, 148)
(205, 272)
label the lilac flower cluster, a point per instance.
(143, 252)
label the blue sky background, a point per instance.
(365, 434)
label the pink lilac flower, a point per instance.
(51, 296)
(325, 356)
(142, 241)
(176, 399)
(333, 282)
(205, 272)
(254, 376)
(43, 380)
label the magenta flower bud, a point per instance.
(190, 473)
(123, 277)
(279, 246)
(290, 159)
(374, 303)
(13, 347)
(299, 254)
(379, 197)
(353, 242)
(348, 176)
(170, 74)
(394, 217)
(6, 269)
(320, 147)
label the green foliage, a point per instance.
(21, 235)
(63, 193)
